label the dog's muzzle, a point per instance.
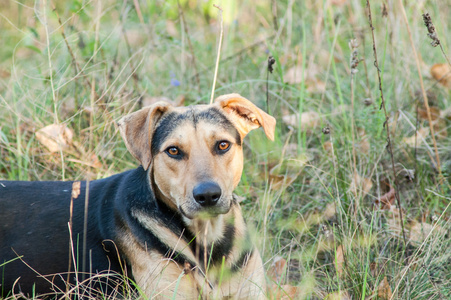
(207, 193)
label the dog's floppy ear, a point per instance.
(137, 129)
(245, 115)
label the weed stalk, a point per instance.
(425, 97)
(389, 144)
(219, 54)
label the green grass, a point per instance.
(130, 58)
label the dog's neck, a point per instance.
(207, 231)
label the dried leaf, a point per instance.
(383, 290)
(442, 73)
(55, 137)
(440, 128)
(360, 184)
(171, 28)
(285, 173)
(76, 189)
(293, 75)
(277, 268)
(309, 120)
(285, 292)
(314, 85)
(419, 231)
(95, 162)
(338, 296)
(422, 134)
(330, 211)
(339, 260)
(328, 146)
(338, 2)
(147, 100)
(423, 114)
(394, 221)
(387, 200)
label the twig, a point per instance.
(219, 54)
(389, 144)
(129, 50)
(55, 100)
(425, 97)
(271, 62)
(78, 70)
(354, 63)
(238, 53)
(274, 14)
(190, 45)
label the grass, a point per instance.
(316, 209)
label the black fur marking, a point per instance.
(214, 116)
(218, 249)
(244, 257)
(172, 120)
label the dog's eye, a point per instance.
(173, 151)
(223, 146)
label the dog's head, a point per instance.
(194, 153)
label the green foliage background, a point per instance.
(85, 64)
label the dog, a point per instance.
(172, 226)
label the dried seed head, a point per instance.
(432, 34)
(384, 10)
(368, 101)
(353, 44)
(326, 130)
(271, 62)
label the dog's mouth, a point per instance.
(192, 210)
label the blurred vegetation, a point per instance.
(318, 198)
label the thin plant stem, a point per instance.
(219, 54)
(389, 144)
(423, 91)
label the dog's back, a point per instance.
(35, 238)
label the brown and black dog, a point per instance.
(172, 225)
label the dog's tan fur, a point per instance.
(173, 180)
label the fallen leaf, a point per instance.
(442, 73)
(309, 120)
(338, 296)
(148, 100)
(284, 292)
(4, 73)
(394, 221)
(421, 135)
(386, 200)
(364, 144)
(171, 28)
(419, 231)
(339, 260)
(75, 189)
(277, 268)
(423, 114)
(330, 211)
(383, 290)
(328, 146)
(286, 172)
(360, 184)
(440, 128)
(135, 37)
(95, 162)
(338, 2)
(55, 137)
(293, 75)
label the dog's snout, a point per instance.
(207, 193)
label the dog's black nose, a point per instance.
(207, 193)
